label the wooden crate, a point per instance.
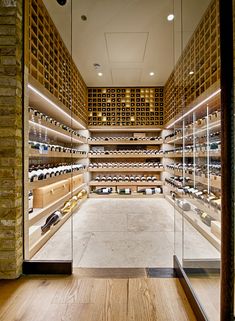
(48, 194)
(76, 181)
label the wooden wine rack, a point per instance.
(50, 62)
(202, 57)
(126, 106)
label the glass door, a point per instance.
(197, 144)
(53, 170)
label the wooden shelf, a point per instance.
(132, 195)
(125, 107)
(125, 129)
(203, 206)
(127, 156)
(39, 213)
(198, 130)
(195, 221)
(191, 154)
(215, 181)
(49, 105)
(50, 63)
(126, 142)
(156, 183)
(51, 180)
(125, 169)
(201, 57)
(45, 237)
(55, 132)
(35, 153)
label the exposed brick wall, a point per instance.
(11, 214)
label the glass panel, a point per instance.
(196, 179)
(50, 141)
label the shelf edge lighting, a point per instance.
(195, 107)
(55, 106)
(54, 131)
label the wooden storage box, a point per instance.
(76, 181)
(45, 195)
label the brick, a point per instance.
(7, 30)
(7, 81)
(8, 3)
(10, 40)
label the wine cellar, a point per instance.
(107, 144)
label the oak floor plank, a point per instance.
(92, 299)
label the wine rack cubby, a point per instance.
(126, 106)
(198, 68)
(50, 62)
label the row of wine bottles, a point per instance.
(126, 152)
(213, 168)
(213, 146)
(44, 148)
(126, 165)
(127, 191)
(186, 186)
(35, 115)
(41, 172)
(117, 139)
(68, 206)
(199, 122)
(126, 178)
(186, 206)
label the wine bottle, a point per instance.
(30, 202)
(52, 219)
(206, 218)
(124, 191)
(103, 190)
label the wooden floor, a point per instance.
(93, 299)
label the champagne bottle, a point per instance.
(206, 218)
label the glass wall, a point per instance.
(195, 167)
(54, 138)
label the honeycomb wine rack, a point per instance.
(198, 68)
(126, 106)
(50, 62)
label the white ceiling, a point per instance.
(128, 38)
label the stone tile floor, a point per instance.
(125, 233)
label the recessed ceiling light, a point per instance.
(170, 17)
(151, 73)
(191, 72)
(100, 74)
(96, 65)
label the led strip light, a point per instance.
(194, 108)
(55, 106)
(69, 138)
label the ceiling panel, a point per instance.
(126, 46)
(126, 76)
(126, 34)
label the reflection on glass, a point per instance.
(193, 150)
